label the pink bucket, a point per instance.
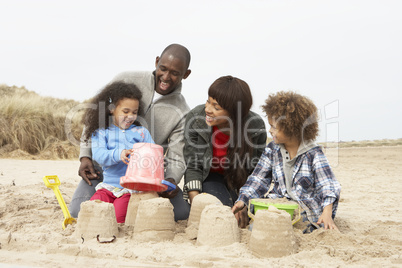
(145, 171)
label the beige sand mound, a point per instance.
(200, 201)
(218, 227)
(272, 234)
(154, 221)
(133, 204)
(96, 218)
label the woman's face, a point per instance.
(215, 114)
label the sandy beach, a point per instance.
(369, 218)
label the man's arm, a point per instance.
(174, 156)
(175, 165)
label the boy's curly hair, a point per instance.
(98, 115)
(296, 115)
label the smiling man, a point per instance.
(163, 114)
(171, 68)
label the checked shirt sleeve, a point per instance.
(257, 184)
(327, 186)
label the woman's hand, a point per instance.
(191, 195)
(326, 218)
(124, 156)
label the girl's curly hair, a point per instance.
(98, 115)
(296, 115)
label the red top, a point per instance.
(220, 143)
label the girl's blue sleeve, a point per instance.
(147, 136)
(100, 151)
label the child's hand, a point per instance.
(124, 156)
(238, 206)
(326, 218)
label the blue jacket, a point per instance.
(107, 145)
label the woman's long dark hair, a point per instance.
(98, 115)
(234, 95)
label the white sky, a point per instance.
(346, 55)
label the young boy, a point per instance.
(295, 165)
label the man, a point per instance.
(163, 115)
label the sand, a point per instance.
(217, 227)
(369, 219)
(272, 234)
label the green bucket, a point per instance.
(289, 208)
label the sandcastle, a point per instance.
(96, 218)
(272, 234)
(200, 201)
(133, 204)
(154, 221)
(218, 226)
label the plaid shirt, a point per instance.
(314, 184)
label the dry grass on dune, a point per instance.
(32, 126)
(37, 127)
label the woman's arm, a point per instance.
(194, 150)
(256, 130)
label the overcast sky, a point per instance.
(345, 55)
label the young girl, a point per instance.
(223, 142)
(295, 165)
(114, 130)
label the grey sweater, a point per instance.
(163, 118)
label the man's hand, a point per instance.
(87, 171)
(192, 194)
(172, 193)
(240, 211)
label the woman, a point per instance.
(223, 142)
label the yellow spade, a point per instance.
(54, 182)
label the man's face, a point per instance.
(169, 73)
